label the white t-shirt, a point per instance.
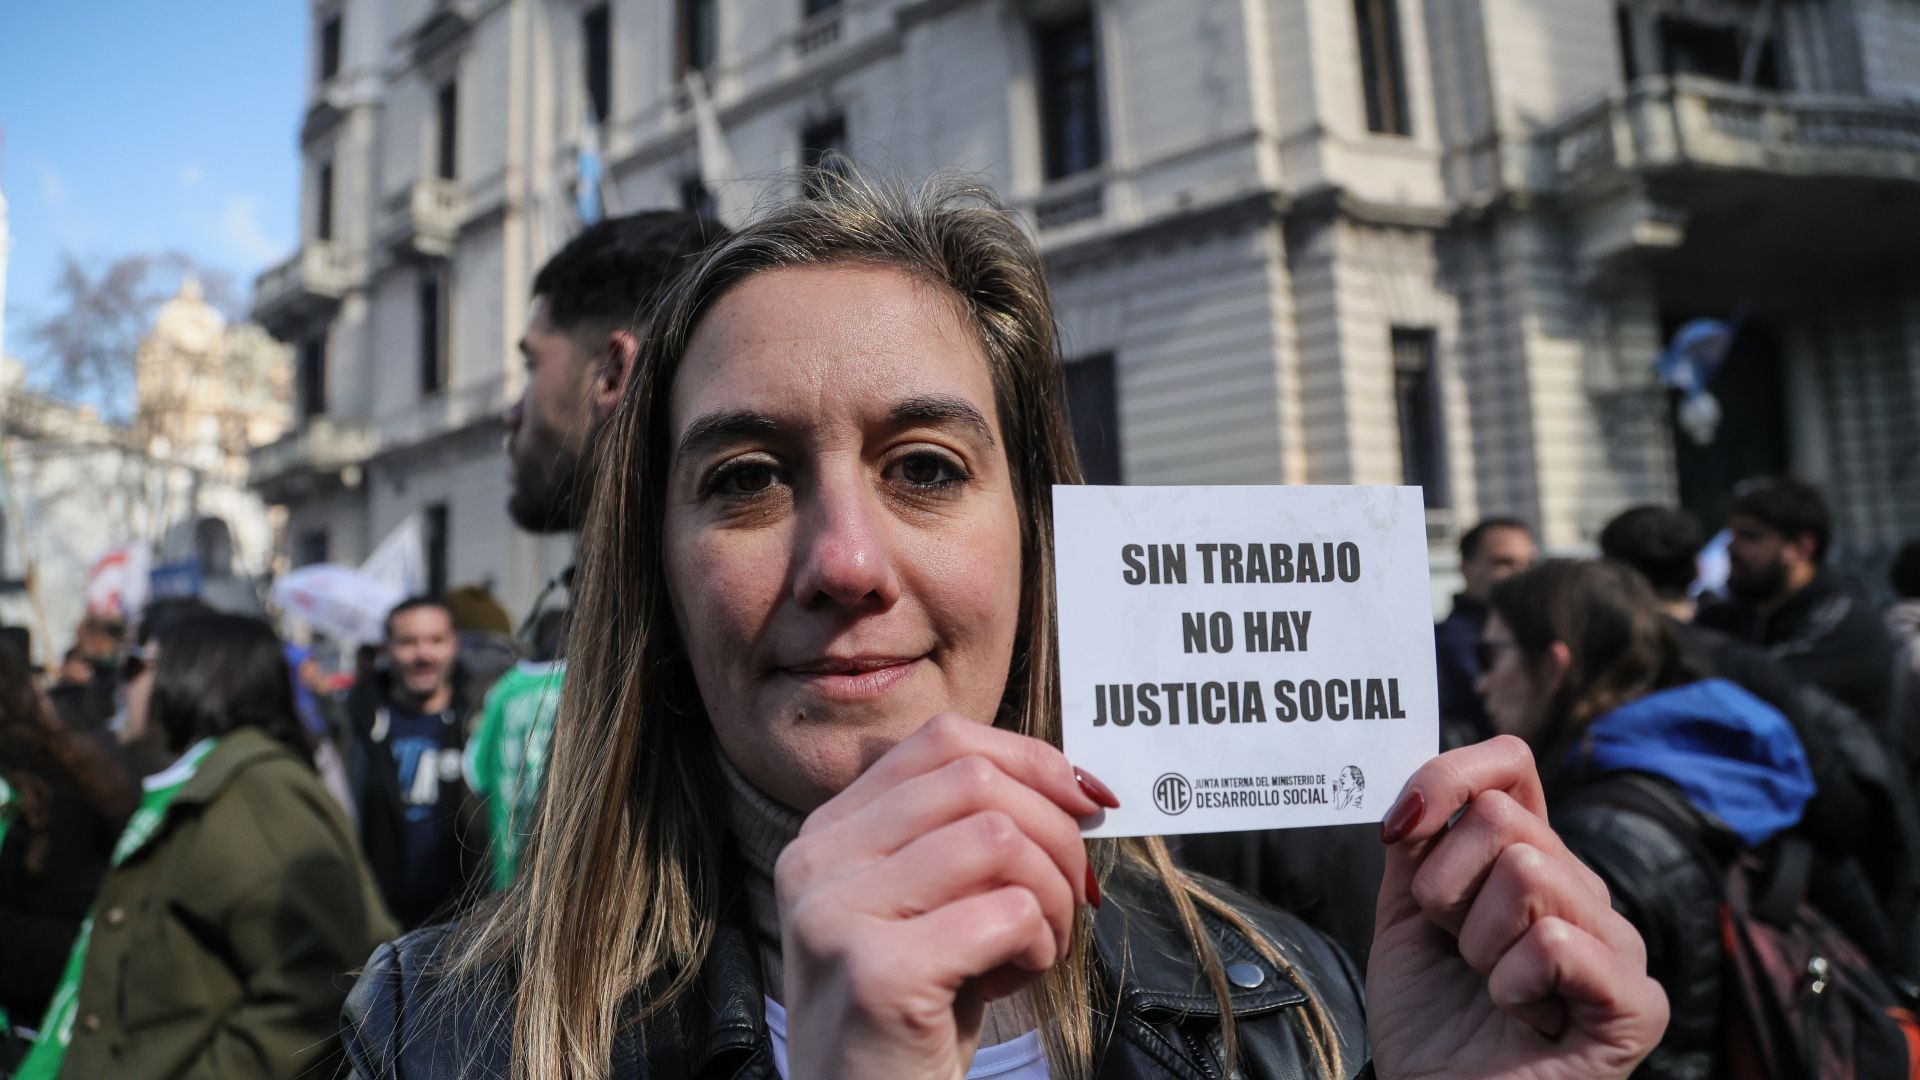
(1020, 1059)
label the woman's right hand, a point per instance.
(946, 876)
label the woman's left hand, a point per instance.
(1496, 952)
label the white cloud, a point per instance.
(240, 227)
(191, 174)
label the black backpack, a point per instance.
(1799, 1000)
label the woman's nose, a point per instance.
(846, 556)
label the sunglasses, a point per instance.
(1487, 651)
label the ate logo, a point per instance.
(1172, 794)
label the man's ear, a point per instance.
(1803, 545)
(613, 367)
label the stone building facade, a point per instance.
(1292, 241)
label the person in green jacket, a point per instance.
(238, 907)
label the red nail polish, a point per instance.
(1096, 790)
(1403, 817)
(1093, 888)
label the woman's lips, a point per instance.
(853, 679)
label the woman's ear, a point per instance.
(1555, 663)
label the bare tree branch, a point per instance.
(88, 344)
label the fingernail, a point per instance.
(1403, 817)
(1096, 790)
(1093, 888)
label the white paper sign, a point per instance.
(1245, 657)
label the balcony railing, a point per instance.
(321, 447)
(1694, 122)
(451, 409)
(423, 219)
(302, 288)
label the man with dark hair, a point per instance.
(1783, 599)
(591, 305)
(1663, 544)
(590, 301)
(1490, 552)
(409, 730)
(1866, 878)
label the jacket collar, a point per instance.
(730, 1014)
(1147, 964)
(236, 751)
(1151, 969)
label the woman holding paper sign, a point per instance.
(805, 815)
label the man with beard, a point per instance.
(1784, 600)
(409, 723)
(590, 305)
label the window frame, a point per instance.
(596, 63)
(1420, 412)
(1092, 382)
(1061, 88)
(1382, 48)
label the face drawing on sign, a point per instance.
(1349, 788)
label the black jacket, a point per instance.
(414, 894)
(1825, 634)
(1463, 717)
(41, 913)
(1661, 883)
(405, 1021)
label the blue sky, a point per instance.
(137, 127)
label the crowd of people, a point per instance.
(769, 781)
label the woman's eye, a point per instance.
(930, 471)
(749, 478)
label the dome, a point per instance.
(187, 322)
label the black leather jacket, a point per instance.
(1661, 883)
(406, 1021)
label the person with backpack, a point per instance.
(1864, 879)
(1580, 662)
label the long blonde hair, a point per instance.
(621, 885)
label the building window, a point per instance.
(696, 199)
(1716, 52)
(310, 547)
(699, 34)
(1416, 395)
(1383, 73)
(597, 51)
(433, 329)
(446, 112)
(1093, 411)
(436, 545)
(1069, 74)
(814, 7)
(823, 146)
(330, 48)
(313, 377)
(323, 211)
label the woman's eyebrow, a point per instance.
(936, 410)
(721, 427)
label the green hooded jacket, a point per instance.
(225, 947)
